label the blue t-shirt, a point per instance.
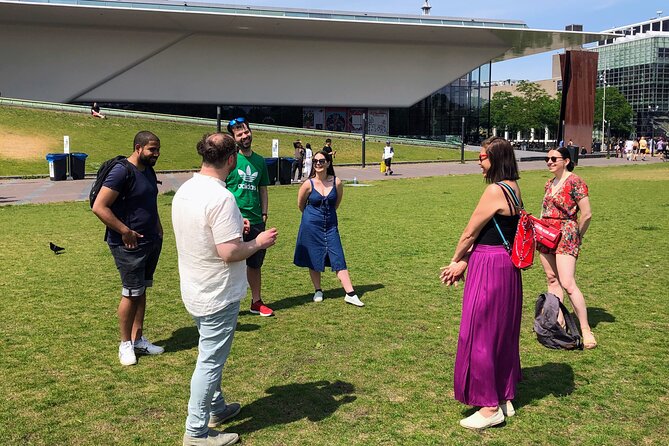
(137, 208)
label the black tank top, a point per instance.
(490, 235)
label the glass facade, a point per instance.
(638, 66)
(441, 113)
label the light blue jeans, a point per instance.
(216, 333)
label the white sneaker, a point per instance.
(318, 296)
(144, 347)
(353, 300)
(126, 354)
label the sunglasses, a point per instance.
(483, 156)
(236, 121)
(553, 159)
(319, 161)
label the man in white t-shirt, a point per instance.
(208, 228)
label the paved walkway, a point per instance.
(45, 191)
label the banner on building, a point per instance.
(355, 119)
(313, 118)
(377, 121)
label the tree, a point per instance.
(619, 112)
(505, 111)
(531, 108)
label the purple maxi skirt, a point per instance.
(487, 364)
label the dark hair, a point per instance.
(328, 158)
(297, 144)
(502, 159)
(143, 138)
(216, 148)
(488, 141)
(308, 146)
(238, 125)
(566, 154)
(328, 140)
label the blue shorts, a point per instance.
(136, 266)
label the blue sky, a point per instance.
(594, 15)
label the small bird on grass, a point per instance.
(55, 248)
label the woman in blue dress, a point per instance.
(318, 242)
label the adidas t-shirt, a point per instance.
(244, 181)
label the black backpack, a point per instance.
(549, 333)
(104, 170)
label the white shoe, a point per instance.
(126, 354)
(478, 421)
(144, 347)
(507, 409)
(353, 300)
(318, 296)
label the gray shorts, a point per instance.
(136, 266)
(257, 259)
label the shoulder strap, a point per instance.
(517, 202)
(505, 242)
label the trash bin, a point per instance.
(573, 152)
(271, 169)
(78, 165)
(57, 166)
(285, 167)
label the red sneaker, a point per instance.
(261, 309)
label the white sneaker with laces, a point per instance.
(318, 296)
(126, 354)
(144, 347)
(353, 300)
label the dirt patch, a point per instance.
(23, 146)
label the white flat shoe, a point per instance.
(318, 296)
(507, 409)
(478, 421)
(353, 300)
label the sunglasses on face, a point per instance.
(553, 159)
(483, 156)
(236, 121)
(320, 161)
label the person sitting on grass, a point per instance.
(95, 111)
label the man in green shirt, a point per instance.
(248, 183)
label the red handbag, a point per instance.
(548, 236)
(524, 244)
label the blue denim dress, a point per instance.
(318, 242)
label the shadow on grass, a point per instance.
(336, 293)
(286, 404)
(549, 379)
(186, 338)
(597, 315)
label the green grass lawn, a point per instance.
(103, 139)
(330, 373)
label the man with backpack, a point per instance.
(125, 199)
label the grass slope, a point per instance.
(103, 139)
(330, 373)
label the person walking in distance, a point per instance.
(248, 183)
(298, 162)
(208, 228)
(388, 154)
(128, 206)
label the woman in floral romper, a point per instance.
(565, 195)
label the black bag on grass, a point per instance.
(549, 332)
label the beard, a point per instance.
(148, 161)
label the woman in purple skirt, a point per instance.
(487, 364)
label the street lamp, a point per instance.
(651, 111)
(602, 78)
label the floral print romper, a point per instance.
(560, 211)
